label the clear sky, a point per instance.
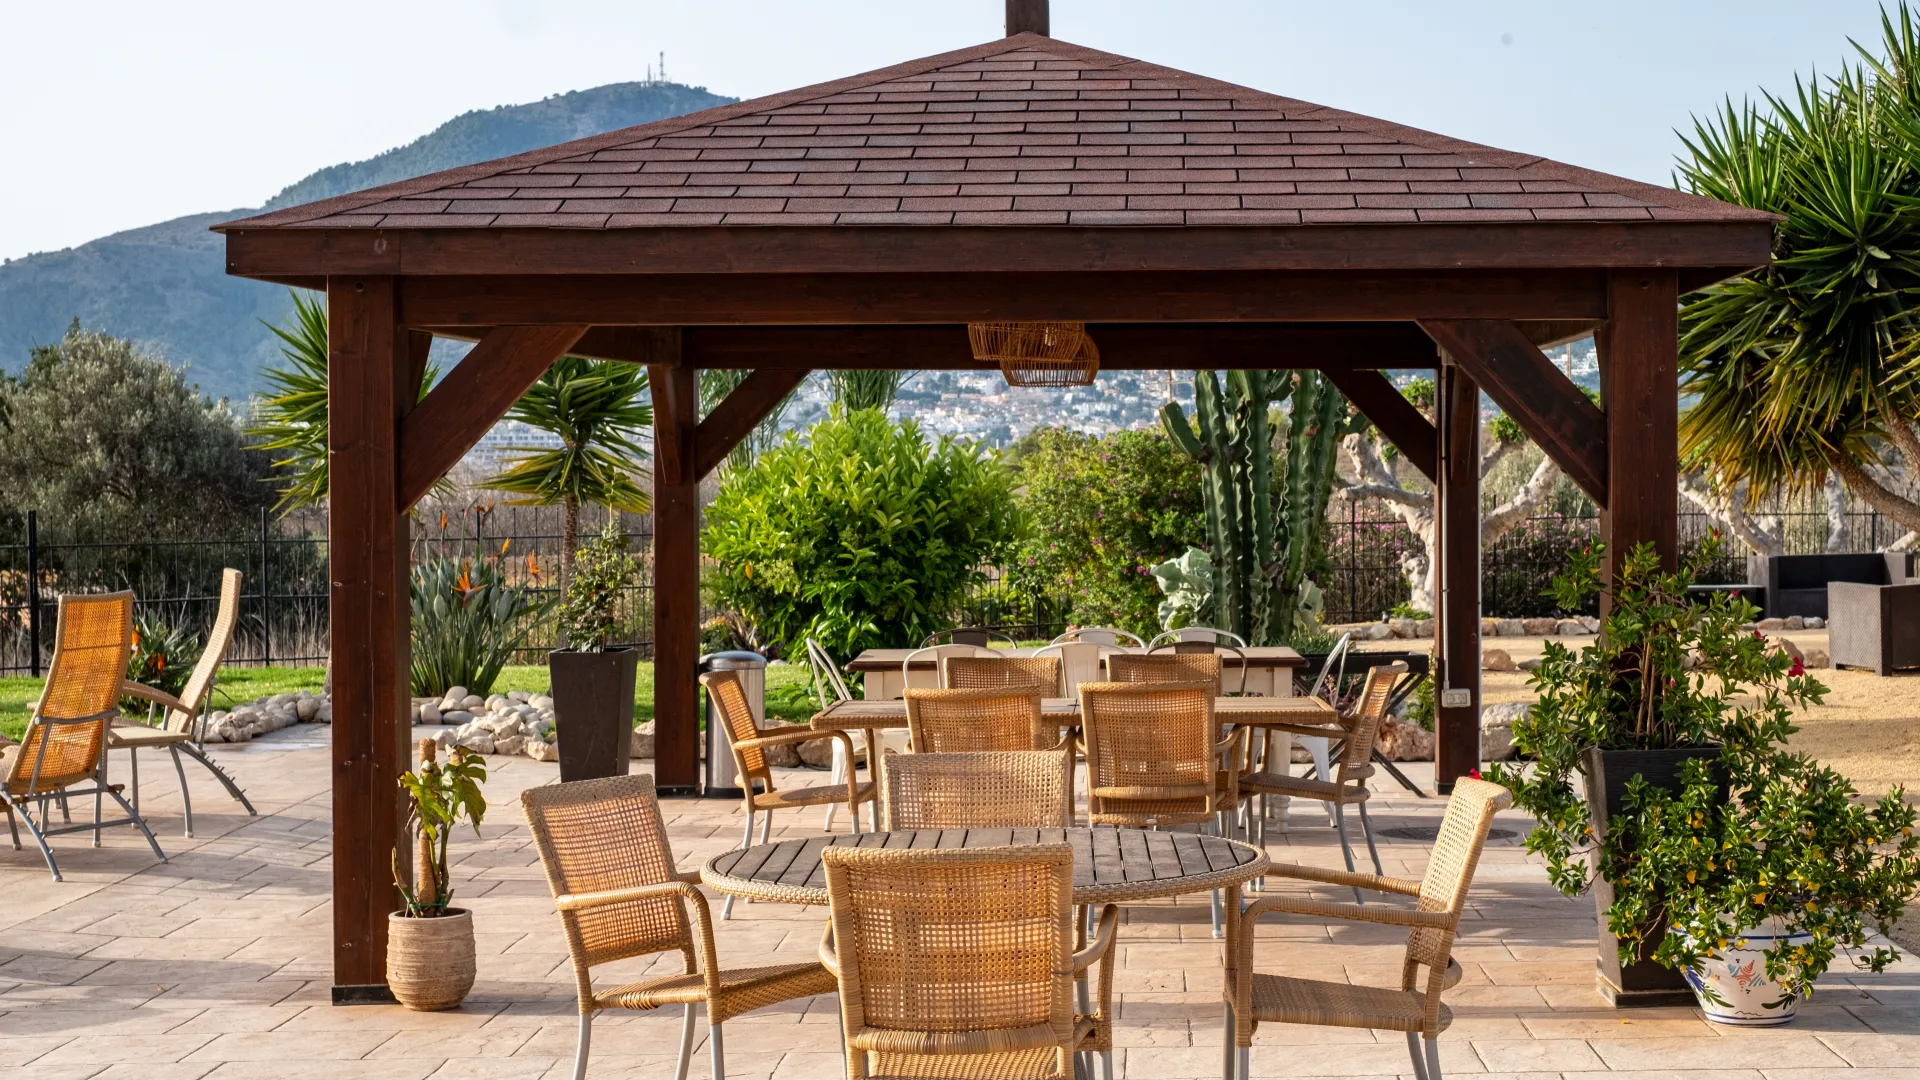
(118, 113)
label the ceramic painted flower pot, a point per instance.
(1732, 985)
(430, 962)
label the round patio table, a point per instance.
(1110, 865)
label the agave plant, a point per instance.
(1810, 365)
(467, 622)
(291, 420)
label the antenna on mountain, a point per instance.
(663, 65)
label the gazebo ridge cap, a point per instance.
(1022, 130)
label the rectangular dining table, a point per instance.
(1269, 671)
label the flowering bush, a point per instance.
(1755, 833)
(163, 656)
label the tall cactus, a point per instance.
(1260, 553)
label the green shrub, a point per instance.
(467, 621)
(1105, 511)
(163, 656)
(863, 534)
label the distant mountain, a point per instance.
(164, 284)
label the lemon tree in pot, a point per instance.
(430, 957)
(593, 678)
(1725, 867)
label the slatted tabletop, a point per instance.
(1257, 656)
(1109, 865)
(1253, 711)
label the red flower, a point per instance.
(1473, 774)
(1798, 669)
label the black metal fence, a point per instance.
(284, 601)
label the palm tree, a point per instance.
(598, 409)
(1810, 365)
(715, 385)
(291, 420)
(855, 390)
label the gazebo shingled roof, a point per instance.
(1023, 131)
(864, 222)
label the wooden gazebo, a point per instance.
(863, 223)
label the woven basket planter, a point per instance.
(430, 963)
(1048, 354)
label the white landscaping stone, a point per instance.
(509, 744)
(1815, 622)
(1570, 628)
(1496, 729)
(430, 713)
(1816, 658)
(643, 740)
(1793, 622)
(542, 751)
(456, 717)
(324, 715)
(479, 744)
(474, 703)
(1497, 660)
(497, 702)
(1511, 628)
(517, 695)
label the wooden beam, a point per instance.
(1520, 378)
(368, 395)
(676, 574)
(1086, 296)
(1403, 425)
(1457, 636)
(471, 399)
(735, 417)
(1639, 385)
(419, 350)
(1720, 249)
(1123, 346)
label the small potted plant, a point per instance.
(593, 678)
(1725, 868)
(430, 957)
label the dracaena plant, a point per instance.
(439, 797)
(1754, 833)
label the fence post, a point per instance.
(266, 596)
(33, 592)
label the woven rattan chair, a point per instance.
(1042, 673)
(1349, 784)
(1156, 757)
(958, 721)
(1164, 667)
(961, 963)
(619, 894)
(1415, 1008)
(1204, 645)
(63, 753)
(758, 793)
(1080, 661)
(182, 723)
(1009, 789)
(979, 636)
(829, 687)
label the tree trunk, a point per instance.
(569, 538)
(1902, 510)
(1836, 495)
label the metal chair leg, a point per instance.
(1366, 830)
(219, 774)
(837, 776)
(581, 1047)
(1246, 1062)
(186, 797)
(12, 825)
(133, 774)
(1433, 1059)
(1346, 849)
(766, 828)
(686, 1044)
(1106, 1065)
(717, 1052)
(33, 829)
(138, 822)
(746, 841)
(1226, 1047)
(1419, 1061)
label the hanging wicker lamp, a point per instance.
(1055, 354)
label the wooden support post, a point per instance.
(1457, 636)
(1639, 372)
(368, 393)
(676, 570)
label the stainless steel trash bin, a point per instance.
(722, 781)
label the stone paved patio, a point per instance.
(216, 964)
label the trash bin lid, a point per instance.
(732, 660)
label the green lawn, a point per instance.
(789, 692)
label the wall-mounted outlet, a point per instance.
(1456, 699)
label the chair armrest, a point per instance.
(799, 735)
(1373, 882)
(1324, 909)
(1102, 941)
(1154, 791)
(829, 953)
(691, 877)
(129, 688)
(583, 901)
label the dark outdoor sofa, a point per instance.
(1797, 584)
(1874, 626)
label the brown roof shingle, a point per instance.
(1024, 130)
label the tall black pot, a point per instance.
(593, 710)
(1643, 982)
